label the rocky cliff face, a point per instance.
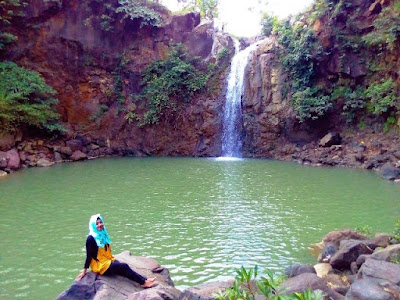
(270, 125)
(82, 62)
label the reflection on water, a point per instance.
(202, 218)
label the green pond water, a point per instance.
(201, 218)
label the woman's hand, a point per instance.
(81, 274)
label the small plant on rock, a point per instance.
(396, 233)
(364, 230)
(247, 287)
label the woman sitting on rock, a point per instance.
(100, 259)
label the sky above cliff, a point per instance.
(242, 17)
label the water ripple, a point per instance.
(201, 218)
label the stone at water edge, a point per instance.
(381, 270)
(78, 155)
(3, 173)
(98, 287)
(43, 162)
(13, 159)
(323, 269)
(348, 252)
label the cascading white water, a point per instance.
(232, 124)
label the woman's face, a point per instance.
(99, 225)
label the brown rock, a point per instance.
(307, 281)
(7, 141)
(349, 251)
(13, 160)
(335, 237)
(372, 289)
(323, 269)
(66, 150)
(43, 162)
(78, 155)
(381, 269)
(375, 8)
(387, 253)
(379, 241)
(94, 286)
(75, 145)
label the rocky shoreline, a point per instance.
(350, 266)
(355, 150)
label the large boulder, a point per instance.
(380, 269)
(7, 141)
(298, 269)
(372, 289)
(75, 144)
(330, 139)
(348, 252)
(379, 241)
(44, 162)
(335, 237)
(387, 253)
(78, 155)
(323, 269)
(13, 160)
(308, 281)
(327, 253)
(97, 287)
(389, 172)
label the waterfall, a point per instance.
(232, 123)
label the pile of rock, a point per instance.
(41, 153)
(350, 267)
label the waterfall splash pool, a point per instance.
(201, 218)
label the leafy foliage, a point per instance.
(208, 8)
(8, 10)
(247, 287)
(353, 100)
(302, 54)
(167, 82)
(25, 99)
(137, 9)
(105, 14)
(382, 95)
(386, 30)
(269, 24)
(396, 233)
(310, 103)
(365, 230)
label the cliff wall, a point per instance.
(97, 71)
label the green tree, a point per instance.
(208, 8)
(26, 100)
(139, 9)
(268, 24)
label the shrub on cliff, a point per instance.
(168, 83)
(8, 10)
(105, 13)
(26, 100)
(328, 51)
